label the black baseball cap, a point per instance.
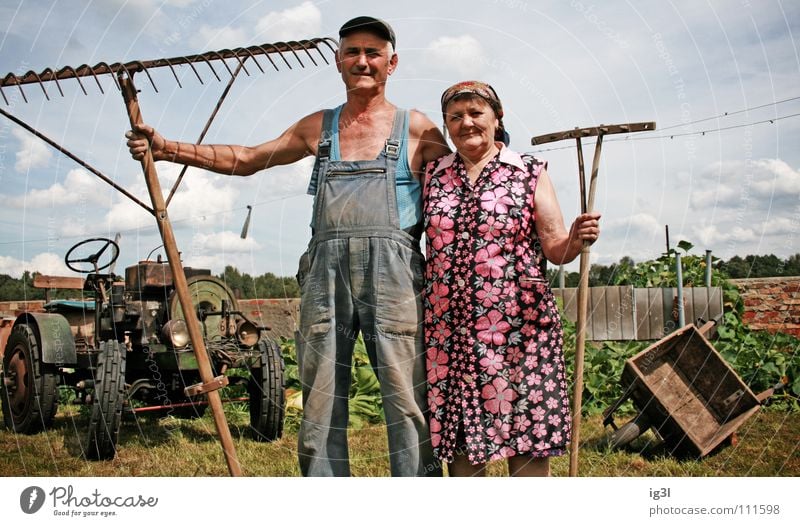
(368, 23)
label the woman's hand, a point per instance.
(586, 227)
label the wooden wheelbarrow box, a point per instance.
(686, 392)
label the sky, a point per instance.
(720, 78)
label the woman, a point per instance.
(497, 382)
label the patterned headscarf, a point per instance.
(484, 91)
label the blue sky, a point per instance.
(556, 65)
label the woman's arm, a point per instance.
(559, 245)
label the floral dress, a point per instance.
(497, 383)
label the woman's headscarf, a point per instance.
(484, 91)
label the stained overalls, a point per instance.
(361, 272)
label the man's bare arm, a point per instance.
(428, 141)
(298, 141)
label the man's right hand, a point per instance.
(142, 137)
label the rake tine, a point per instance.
(247, 50)
(4, 96)
(316, 46)
(305, 48)
(41, 84)
(196, 74)
(94, 74)
(19, 86)
(276, 48)
(222, 59)
(110, 71)
(291, 48)
(77, 77)
(212, 68)
(173, 73)
(144, 68)
(266, 54)
(55, 78)
(327, 43)
(235, 53)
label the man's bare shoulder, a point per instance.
(419, 122)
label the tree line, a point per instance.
(624, 272)
(654, 273)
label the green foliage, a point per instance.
(365, 404)
(19, 289)
(264, 286)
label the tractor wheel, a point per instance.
(266, 394)
(109, 394)
(29, 389)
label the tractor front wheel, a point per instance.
(105, 418)
(267, 397)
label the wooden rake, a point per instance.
(583, 286)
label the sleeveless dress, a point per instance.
(497, 382)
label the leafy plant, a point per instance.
(365, 404)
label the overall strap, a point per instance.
(321, 162)
(392, 155)
(323, 150)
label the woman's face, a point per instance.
(471, 123)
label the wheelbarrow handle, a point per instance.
(608, 414)
(764, 395)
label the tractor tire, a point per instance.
(267, 398)
(29, 388)
(105, 418)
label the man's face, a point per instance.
(365, 61)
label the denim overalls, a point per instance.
(361, 272)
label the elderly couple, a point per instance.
(467, 344)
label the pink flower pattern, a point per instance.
(494, 342)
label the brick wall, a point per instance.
(771, 304)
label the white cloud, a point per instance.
(712, 235)
(746, 184)
(223, 242)
(32, 153)
(302, 21)
(203, 200)
(463, 55)
(284, 181)
(44, 263)
(78, 189)
(208, 37)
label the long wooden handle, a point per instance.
(179, 280)
(583, 303)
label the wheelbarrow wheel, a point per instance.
(628, 432)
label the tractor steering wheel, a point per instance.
(93, 258)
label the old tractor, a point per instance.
(136, 355)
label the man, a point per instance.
(363, 268)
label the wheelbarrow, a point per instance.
(686, 392)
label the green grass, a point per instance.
(767, 445)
